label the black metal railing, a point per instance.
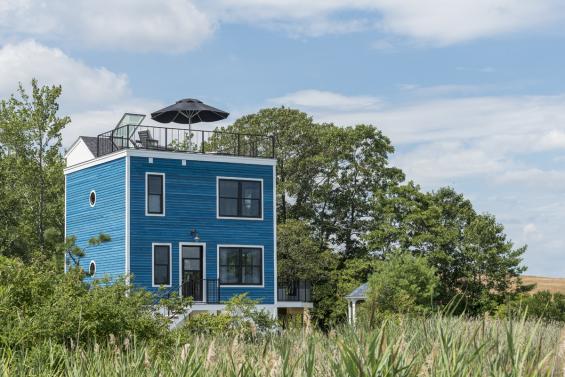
(203, 290)
(185, 140)
(297, 290)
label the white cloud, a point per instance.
(441, 22)
(181, 25)
(82, 85)
(94, 97)
(482, 146)
(319, 99)
(134, 25)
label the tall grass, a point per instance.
(434, 346)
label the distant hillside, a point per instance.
(545, 283)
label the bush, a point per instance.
(543, 305)
(241, 318)
(37, 303)
(402, 283)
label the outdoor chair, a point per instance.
(146, 140)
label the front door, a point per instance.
(192, 272)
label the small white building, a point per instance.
(359, 294)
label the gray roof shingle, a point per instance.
(359, 292)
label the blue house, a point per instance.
(192, 211)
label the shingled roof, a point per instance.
(91, 142)
(360, 292)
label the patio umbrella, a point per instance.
(189, 111)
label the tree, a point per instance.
(354, 172)
(402, 283)
(326, 175)
(469, 251)
(297, 147)
(298, 254)
(32, 169)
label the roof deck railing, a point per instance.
(185, 140)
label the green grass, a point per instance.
(436, 346)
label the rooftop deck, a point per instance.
(185, 140)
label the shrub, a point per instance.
(402, 283)
(241, 318)
(37, 303)
(543, 305)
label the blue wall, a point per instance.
(107, 216)
(190, 202)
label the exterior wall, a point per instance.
(78, 153)
(190, 203)
(107, 216)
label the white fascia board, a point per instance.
(96, 161)
(201, 157)
(171, 156)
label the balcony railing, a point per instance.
(296, 291)
(185, 140)
(203, 290)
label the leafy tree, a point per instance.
(299, 256)
(326, 175)
(402, 283)
(469, 251)
(354, 173)
(32, 171)
(297, 148)
(330, 306)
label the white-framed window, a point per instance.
(154, 194)
(92, 198)
(161, 264)
(241, 265)
(92, 268)
(239, 198)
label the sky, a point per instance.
(470, 92)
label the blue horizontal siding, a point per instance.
(190, 203)
(107, 216)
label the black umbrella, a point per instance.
(189, 111)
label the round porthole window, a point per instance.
(92, 198)
(92, 268)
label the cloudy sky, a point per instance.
(471, 92)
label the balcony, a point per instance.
(294, 291)
(185, 140)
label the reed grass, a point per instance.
(404, 346)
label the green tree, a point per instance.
(299, 256)
(469, 251)
(354, 171)
(297, 147)
(402, 283)
(32, 171)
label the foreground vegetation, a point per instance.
(402, 346)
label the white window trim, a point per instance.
(95, 198)
(147, 174)
(170, 245)
(203, 245)
(240, 218)
(243, 285)
(95, 268)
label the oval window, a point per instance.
(92, 198)
(92, 268)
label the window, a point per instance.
(241, 266)
(92, 268)
(239, 198)
(161, 265)
(92, 198)
(155, 187)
